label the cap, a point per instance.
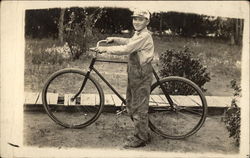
(141, 13)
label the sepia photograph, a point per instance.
(125, 79)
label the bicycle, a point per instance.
(178, 107)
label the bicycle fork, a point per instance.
(80, 90)
(85, 80)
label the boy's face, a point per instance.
(140, 23)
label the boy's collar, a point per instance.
(143, 30)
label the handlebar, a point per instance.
(101, 41)
(97, 45)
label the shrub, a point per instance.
(232, 115)
(182, 63)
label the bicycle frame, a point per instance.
(91, 67)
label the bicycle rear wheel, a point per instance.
(187, 113)
(60, 89)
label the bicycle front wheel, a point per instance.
(57, 96)
(180, 111)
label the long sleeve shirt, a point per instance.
(141, 42)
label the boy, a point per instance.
(140, 49)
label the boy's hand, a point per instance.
(98, 49)
(109, 39)
(93, 49)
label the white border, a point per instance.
(12, 72)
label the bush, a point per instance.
(181, 63)
(232, 115)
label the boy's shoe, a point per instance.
(130, 138)
(134, 143)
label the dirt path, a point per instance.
(109, 131)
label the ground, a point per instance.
(110, 130)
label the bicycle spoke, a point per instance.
(187, 113)
(195, 101)
(189, 110)
(72, 114)
(154, 101)
(159, 102)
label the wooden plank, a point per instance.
(184, 100)
(163, 98)
(67, 100)
(157, 99)
(181, 100)
(194, 100)
(212, 101)
(151, 101)
(31, 98)
(109, 100)
(218, 101)
(224, 101)
(97, 99)
(87, 99)
(112, 99)
(39, 101)
(52, 98)
(117, 100)
(124, 96)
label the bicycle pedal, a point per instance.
(119, 112)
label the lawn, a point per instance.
(221, 59)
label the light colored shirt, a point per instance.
(141, 42)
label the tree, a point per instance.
(114, 20)
(229, 28)
(61, 25)
(79, 29)
(160, 29)
(238, 31)
(42, 23)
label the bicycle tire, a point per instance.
(64, 84)
(188, 98)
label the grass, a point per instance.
(216, 54)
(221, 59)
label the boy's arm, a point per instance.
(119, 40)
(132, 46)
